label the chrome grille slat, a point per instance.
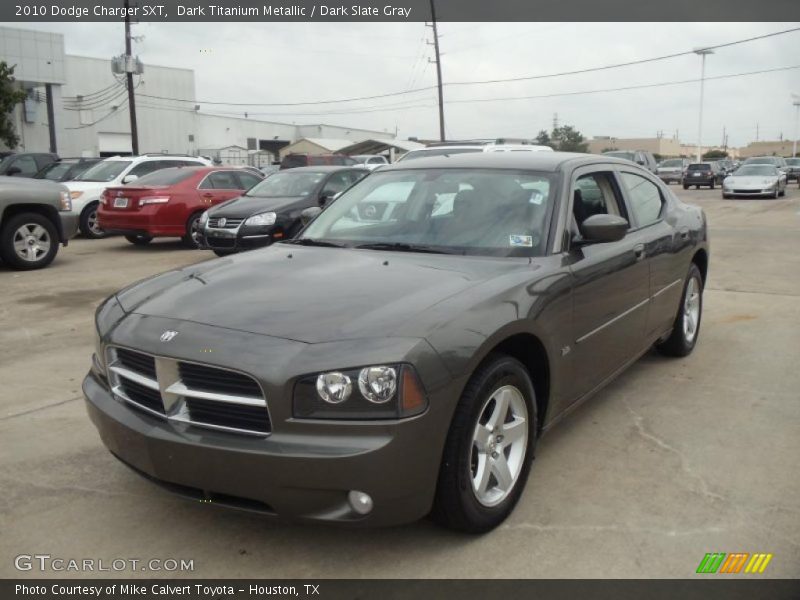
(230, 223)
(186, 392)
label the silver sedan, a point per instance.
(755, 181)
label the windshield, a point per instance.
(104, 171)
(437, 152)
(625, 155)
(460, 211)
(761, 161)
(749, 170)
(675, 162)
(287, 183)
(54, 171)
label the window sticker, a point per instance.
(520, 241)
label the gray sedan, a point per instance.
(755, 181)
(404, 353)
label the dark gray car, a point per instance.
(403, 354)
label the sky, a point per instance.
(299, 62)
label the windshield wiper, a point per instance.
(314, 242)
(403, 247)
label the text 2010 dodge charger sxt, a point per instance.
(404, 353)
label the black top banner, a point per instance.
(403, 10)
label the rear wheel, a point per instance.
(28, 241)
(223, 252)
(192, 237)
(489, 448)
(711, 185)
(686, 187)
(89, 225)
(139, 240)
(686, 327)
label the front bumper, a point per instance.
(69, 226)
(243, 238)
(754, 193)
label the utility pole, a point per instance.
(796, 103)
(129, 79)
(702, 52)
(438, 62)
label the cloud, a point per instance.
(285, 62)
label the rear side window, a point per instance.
(247, 180)
(147, 167)
(165, 177)
(27, 166)
(645, 197)
(223, 180)
(292, 161)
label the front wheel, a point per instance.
(223, 252)
(192, 237)
(686, 327)
(28, 241)
(489, 448)
(89, 225)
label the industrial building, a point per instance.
(76, 106)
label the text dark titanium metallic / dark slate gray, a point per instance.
(403, 354)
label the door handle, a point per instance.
(638, 251)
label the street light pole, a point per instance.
(796, 102)
(702, 52)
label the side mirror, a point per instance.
(309, 214)
(13, 171)
(603, 228)
(129, 178)
(328, 196)
(640, 162)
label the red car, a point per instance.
(169, 202)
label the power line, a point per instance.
(625, 64)
(114, 111)
(88, 96)
(464, 83)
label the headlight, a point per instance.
(65, 202)
(262, 219)
(75, 195)
(204, 218)
(382, 392)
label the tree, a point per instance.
(10, 96)
(543, 139)
(569, 139)
(715, 155)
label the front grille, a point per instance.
(230, 223)
(210, 379)
(142, 395)
(195, 394)
(216, 242)
(136, 361)
(237, 416)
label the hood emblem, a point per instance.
(168, 335)
(222, 222)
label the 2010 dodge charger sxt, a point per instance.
(403, 354)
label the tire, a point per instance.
(686, 187)
(783, 192)
(776, 194)
(725, 196)
(458, 505)
(223, 252)
(28, 241)
(190, 239)
(683, 337)
(88, 223)
(139, 240)
(711, 185)
(697, 187)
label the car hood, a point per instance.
(28, 182)
(312, 294)
(244, 206)
(751, 181)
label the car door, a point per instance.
(610, 284)
(218, 186)
(648, 203)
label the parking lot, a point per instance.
(675, 459)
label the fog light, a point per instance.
(361, 502)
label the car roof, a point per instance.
(323, 169)
(529, 161)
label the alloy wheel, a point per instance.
(499, 443)
(93, 223)
(32, 242)
(691, 310)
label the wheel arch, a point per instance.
(700, 259)
(45, 210)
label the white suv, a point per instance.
(111, 172)
(444, 149)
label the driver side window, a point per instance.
(595, 194)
